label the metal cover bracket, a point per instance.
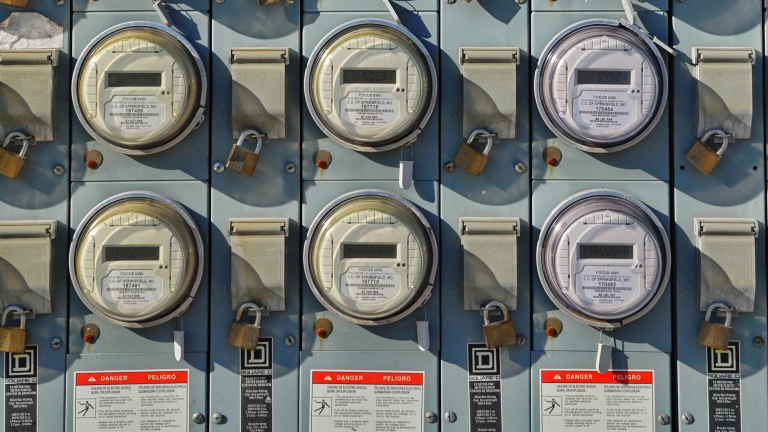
(258, 262)
(490, 260)
(26, 263)
(259, 90)
(726, 262)
(30, 81)
(489, 90)
(723, 90)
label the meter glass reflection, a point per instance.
(370, 257)
(601, 86)
(139, 88)
(370, 85)
(136, 259)
(603, 258)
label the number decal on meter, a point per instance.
(136, 259)
(139, 88)
(371, 257)
(601, 85)
(603, 258)
(370, 85)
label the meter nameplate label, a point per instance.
(134, 113)
(20, 390)
(131, 401)
(131, 288)
(256, 388)
(370, 284)
(370, 109)
(724, 388)
(592, 402)
(606, 285)
(366, 401)
(484, 371)
(607, 111)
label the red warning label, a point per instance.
(366, 401)
(131, 401)
(610, 377)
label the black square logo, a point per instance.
(724, 361)
(260, 358)
(21, 365)
(482, 361)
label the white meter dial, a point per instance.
(137, 259)
(371, 257)
(370, 85)
(603, 258)
(601, 85)
(139, 88)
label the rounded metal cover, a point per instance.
(583, 44)
(375, 213)
(631, 286)
(112, 222)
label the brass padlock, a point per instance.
(501, 333)
(702, 157)
(14, 339)
(470, 159)
(20, 3)
(245, 335)
(241, 160)
(716, 335)
(11, 163)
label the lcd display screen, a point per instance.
(606, 251)
(366, 250)
(132, 253)
(134, 79)
(593, 76)
(362, 76)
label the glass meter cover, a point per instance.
(139, 88)
(603, 258)
(601, 85)
(371, 257)
(370, 85)
(137, 259)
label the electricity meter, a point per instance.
(603, 258)
(371, 257)
(601, 85)
(370, 85)
(136, 259)
(139, 88)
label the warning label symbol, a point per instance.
(553, 405)
(558, 377)
(328, 378)
(322, 407)
(91, 379)
(86, 408)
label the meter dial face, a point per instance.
(139, 88)
(370, 85)
(137, 259)
(600, 86)
(371, 257)
(603, 258)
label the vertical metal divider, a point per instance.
(209, 78)
(672, 220)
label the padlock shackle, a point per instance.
(19, 311)
(722, 306)
(18, 135)
(250, 133)
(253, 307)
(722, 135)
(493, 305)
(485, 134)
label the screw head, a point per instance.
(521, 340)
(198, 418)
(217, 418)
(663, 419)
(218, 167)
(687, 418)
(450, 416)
(449, 167)
(59, 170)
(91, 164)
(430, 417)
(290, 340)
(520, 1)
(520, 167)
(59, 2)
(758, 342)
(322, 164)
(219, 1)
(56, 343)
(290, 168)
